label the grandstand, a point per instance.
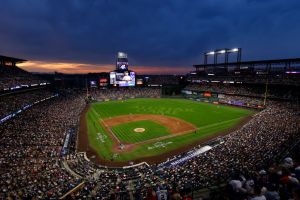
(260, 71)
(40, 130)
(15, 78)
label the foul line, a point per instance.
(106, 126)
(163, 137)
(110, 131)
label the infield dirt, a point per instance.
(176, 127)
(174, 124)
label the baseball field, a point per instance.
(153, 129)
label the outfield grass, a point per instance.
(125, 132)
(209, 118)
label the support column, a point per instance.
(205, 58)
(239, 56)
(215, 58)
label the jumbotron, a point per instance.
(226, 130)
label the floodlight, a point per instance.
(210, 53)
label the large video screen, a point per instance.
(103, 81)
(93, 84)
(122, 79)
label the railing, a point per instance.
(80, 185)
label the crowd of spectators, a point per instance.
(161, 79)
(278, 181)
(287, 79)
(226, 89)
(113, 183)
(79, 165)
(243, 89)
(126, 93)
(31, 165)
(241, 100)
(252, 148)
(30, 145)
(12, 76)
(14, 102)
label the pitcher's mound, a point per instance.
(139, 130)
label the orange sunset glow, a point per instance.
(81, 68)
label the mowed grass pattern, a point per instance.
(125, 132)
(197, 113)
(209, 118)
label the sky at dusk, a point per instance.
(160, 36)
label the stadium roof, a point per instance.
(12, 59)
(258, 62)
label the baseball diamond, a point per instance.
(180, 123)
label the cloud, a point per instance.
(64, 67)
(80, 68)
(153, 33)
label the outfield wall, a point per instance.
(217, 98)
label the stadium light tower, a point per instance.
(235, 50)
(206, 55)
(225, 51)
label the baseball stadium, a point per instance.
(114, 137)
(149, 100)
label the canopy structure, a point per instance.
(10, 61)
